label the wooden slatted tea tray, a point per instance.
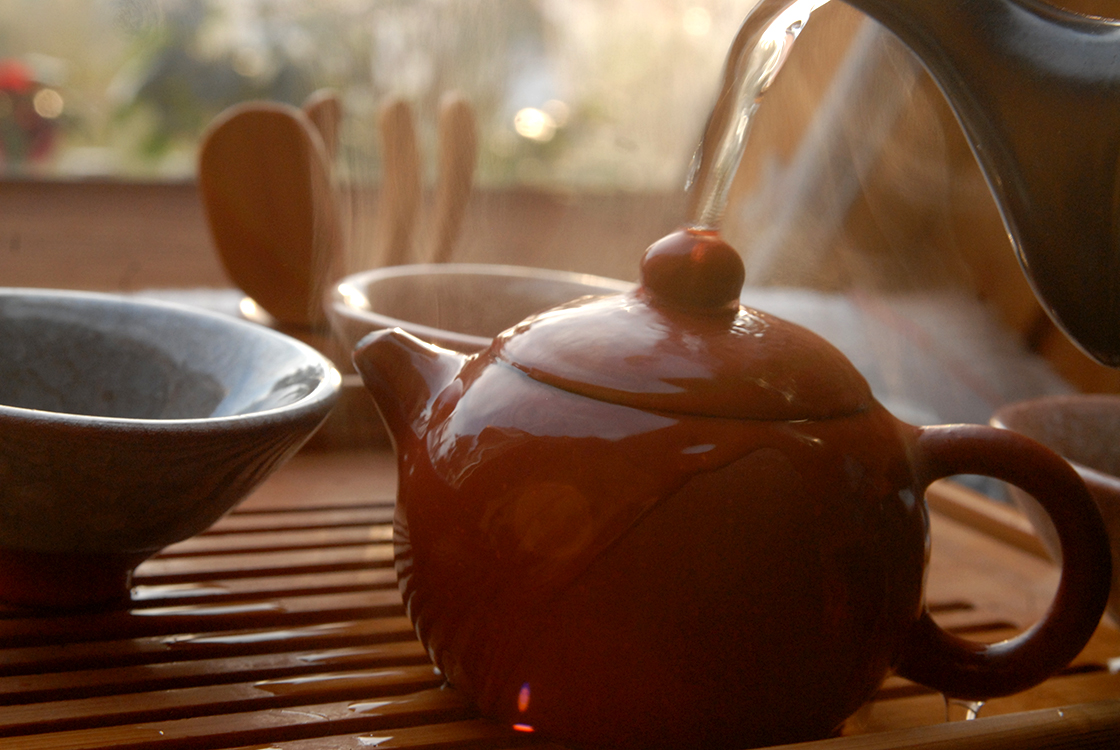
(281, 628)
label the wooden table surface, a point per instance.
(281, 628)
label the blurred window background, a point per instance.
(856, 176)
(578, 94)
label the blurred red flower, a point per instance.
(25, 134)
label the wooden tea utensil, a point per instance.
(401, 191)
(266, 189)
(458, 151)
(324, 109)
(401, 184)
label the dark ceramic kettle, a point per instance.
(662, 519)
(1036, 90)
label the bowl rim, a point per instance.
(493, 269)
(1001, 415)
(320, 398)
(356, 285)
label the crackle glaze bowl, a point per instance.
(128, 425)
(1085, 430)
(458, 306)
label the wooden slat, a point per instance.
(210, 699)
(997, 520)
(144, 595)
(1001, 582)
(278, 690)
(175, 569)
(274, 540)
(1086, 726)
(185, 646)
(118, 680)
(470, 733)
(259, 727)
(136, 623)
(928, 708)
(272, 521)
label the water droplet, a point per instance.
(959, 709)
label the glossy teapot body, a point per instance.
(569, 561)
(661, 519)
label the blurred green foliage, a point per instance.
(142, 78)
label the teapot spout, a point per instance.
(404, 375)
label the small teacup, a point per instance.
(1085, 430)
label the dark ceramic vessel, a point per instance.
(661, 519)
(126, 426)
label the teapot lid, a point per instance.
(682, 343)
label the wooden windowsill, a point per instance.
(120, 236)
(107, 235)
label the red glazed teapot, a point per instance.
(663, 519)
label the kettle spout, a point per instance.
(404, 375)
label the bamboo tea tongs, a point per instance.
(401, 192)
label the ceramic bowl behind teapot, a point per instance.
(459, 306)
(126, 426)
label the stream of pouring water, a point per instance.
(757, 55)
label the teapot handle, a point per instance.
(976, 671)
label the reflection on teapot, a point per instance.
(662, 519)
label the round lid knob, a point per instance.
(682, 343)
(695, 270)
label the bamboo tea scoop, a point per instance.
(458, 152)
(402, 191)
(324, 109)
(266, 189)
(401, 187)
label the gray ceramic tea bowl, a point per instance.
(128, 425)
(459, 306)
(1085, 430)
